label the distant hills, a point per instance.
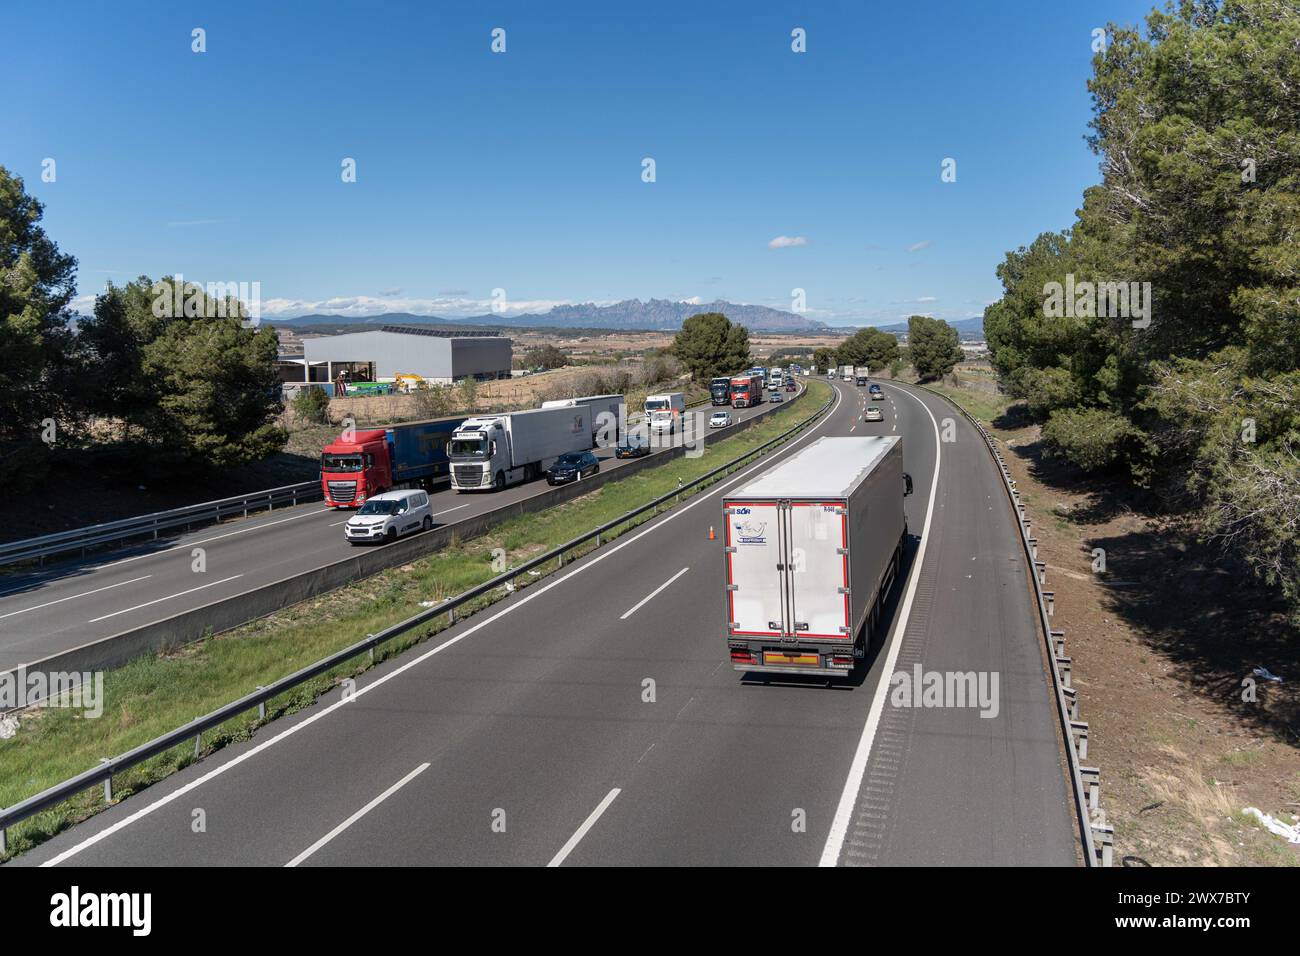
(629, 315)
(966, 328)
(654, 315)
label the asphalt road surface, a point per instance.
(57, 608)
(594, 719)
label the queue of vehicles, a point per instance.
(396, 467)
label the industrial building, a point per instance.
(439, 356)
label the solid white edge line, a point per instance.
(358, 815)
(587, 824)
(637, 606)
(530, 594)
(107, 587)
(849, 796)
(210, 584)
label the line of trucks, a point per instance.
(484, 452)
(747, 388)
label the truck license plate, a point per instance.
(777, 657)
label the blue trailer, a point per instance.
(418, 450)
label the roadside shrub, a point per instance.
(1089, 438)
(312, 405)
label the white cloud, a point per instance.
(918, 246)
(928, 298)
(783, 242)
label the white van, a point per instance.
(388, 516)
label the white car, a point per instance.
(720, 420)
(874, 414)
(388, 516)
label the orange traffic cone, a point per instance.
(712, 536)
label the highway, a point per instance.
(594, 719)
(53, 609)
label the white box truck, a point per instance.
(861, 374)
(606, 415)
(846, 373)
(492, 451)
(812, 547)
(664, 412)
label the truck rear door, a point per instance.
(818, 582)
(756, 583)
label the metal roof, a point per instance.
(440, 333)
(828, 468)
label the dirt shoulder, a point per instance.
(1162, 637)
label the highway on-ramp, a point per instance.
(50, 610)
(594, 719)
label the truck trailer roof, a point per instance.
(828, 468)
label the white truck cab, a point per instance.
(664, 412)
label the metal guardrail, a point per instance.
(82, 539)
(1098, 836)
(195, 729)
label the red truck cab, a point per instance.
(353, 471)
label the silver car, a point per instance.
(873, 414)
(720, 419)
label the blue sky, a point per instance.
(522, 171)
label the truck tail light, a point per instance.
(842, 660)
(741, 656)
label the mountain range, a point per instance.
(656, 314)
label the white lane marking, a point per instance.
(450, 510)
(106, 587)
(531, 594)
(358, 815)
(190, 544)
(128, 610)
(637, 606)
(587, 824)
(849, 796)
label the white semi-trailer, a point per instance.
(812, 547)
(861, 374)
(606, 415)
(493, 451)
(846, 373)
